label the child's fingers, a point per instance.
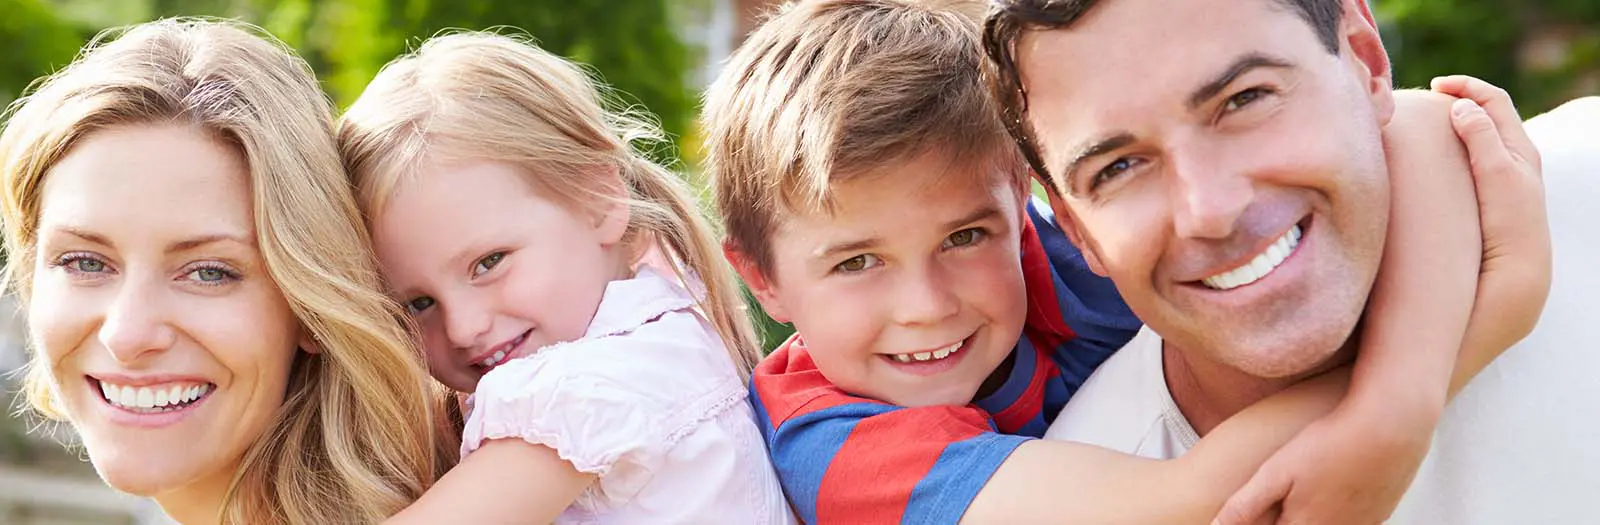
(1485, 150)
(1498, 104)
(1254, 503)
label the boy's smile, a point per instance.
(907, 287)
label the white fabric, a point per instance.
(649, 401)
(1517, 445)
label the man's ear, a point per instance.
(763, 288)
(1071, 227)
(1359, 32)
(612, 220)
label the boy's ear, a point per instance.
(1070, 226)
(612, 221)
(764, 290)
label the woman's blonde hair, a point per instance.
(355, 439)
(492, 97)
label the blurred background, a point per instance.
(659, 54)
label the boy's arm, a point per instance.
(503, 481)
(1384, 427)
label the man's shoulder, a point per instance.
(1125, 405)
(1568, 138)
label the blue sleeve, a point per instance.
(1090, 303)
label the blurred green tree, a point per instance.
(635, 49)
(1543, 51)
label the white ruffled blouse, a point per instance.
(649, 402)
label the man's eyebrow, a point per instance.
(1090, 150)
(1240, 66)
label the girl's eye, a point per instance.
(488, 263)
(858, 263)
(964, 238)
(418, 305)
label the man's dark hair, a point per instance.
(1009, 19)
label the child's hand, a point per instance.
(1514, 280)
(1354, 465)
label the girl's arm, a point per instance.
(504, 481)
(1067, 482)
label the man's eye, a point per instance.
(1245, 98)
(1112, 171)
(487, 263)
(857, 263)
(418, 305)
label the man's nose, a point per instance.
(1207, 197)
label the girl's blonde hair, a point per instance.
(491, 97)
(355, 439)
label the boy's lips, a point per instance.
(929, 362)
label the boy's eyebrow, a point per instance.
(834, 250)
(988, 211)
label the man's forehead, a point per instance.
(1128, 58)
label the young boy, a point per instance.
(872, 199)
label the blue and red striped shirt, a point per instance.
(847, 459)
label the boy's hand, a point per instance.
(1514, 280)
(1354, 465)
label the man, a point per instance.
(1175, 134)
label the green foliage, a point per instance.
(35, 40)
(1429, 38)
(635, 48)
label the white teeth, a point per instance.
(151, 398)
(1260, 266)
(928, 356)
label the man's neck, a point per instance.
(1208, 392)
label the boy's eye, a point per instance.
(963, 238)
(418, 305)
(858, 263)
(487, 263)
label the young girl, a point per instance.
(569, 284)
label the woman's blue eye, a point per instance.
(210, 275)
(87, 265)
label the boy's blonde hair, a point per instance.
(355, 439)
(827, 91)
(492, 97)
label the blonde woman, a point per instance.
(544, 261)
(203, 305)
